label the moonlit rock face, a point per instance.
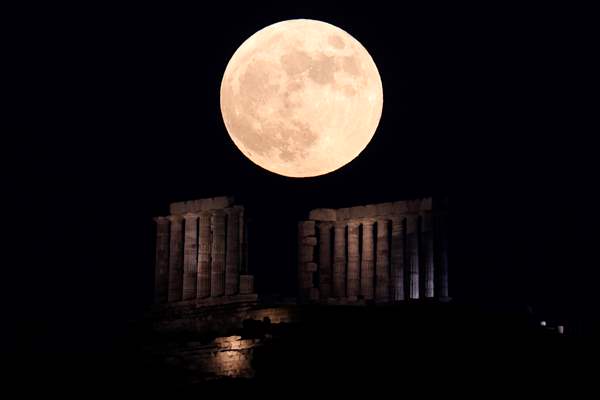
(301, 98)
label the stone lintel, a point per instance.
(399, 207)
(322, 214)
(211, 203)
(370, 210)
(358, 212)
(384, 209)
(343, 214)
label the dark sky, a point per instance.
(121, 116)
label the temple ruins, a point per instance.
(381, 253)
(201, 252)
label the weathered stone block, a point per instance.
(370, 210)
(311, 266)
(306, 280)
(399, 207)
(322, 214)
(211, 203)
(306, 228)
(343, 214)
(358, 212)
(413, 205)
(384, 209)
(310, 241)
(306, 253)
(246, 284)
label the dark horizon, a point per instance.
(129, 121)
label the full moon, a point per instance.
(301, 98)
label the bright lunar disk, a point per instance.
(301, 98)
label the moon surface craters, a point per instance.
(296, 98)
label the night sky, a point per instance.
(122, 117)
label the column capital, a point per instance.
(190, 215)
(353, 223)
(367, 221)
(340, 225)
(218, 213)
(175, 218)
(161, 220)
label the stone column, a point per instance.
(398, 258)
(190, 257)
(427, 253)
(204, 259)
(243, 267)
(307, 241)
(352, 277)
(382, 264)
(217, 267)
(176, 259)
(367, 273)
(161, 272)
(232, 261)
(442, 289)
(325, 259)
(412, 254)
(339, 260)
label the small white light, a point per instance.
(543, 323)
(561, 329)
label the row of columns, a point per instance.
(199, 255)
(382, 259)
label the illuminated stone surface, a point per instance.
(201, 253)
(385, 252)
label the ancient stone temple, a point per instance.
(201, 252)
(381, 253)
